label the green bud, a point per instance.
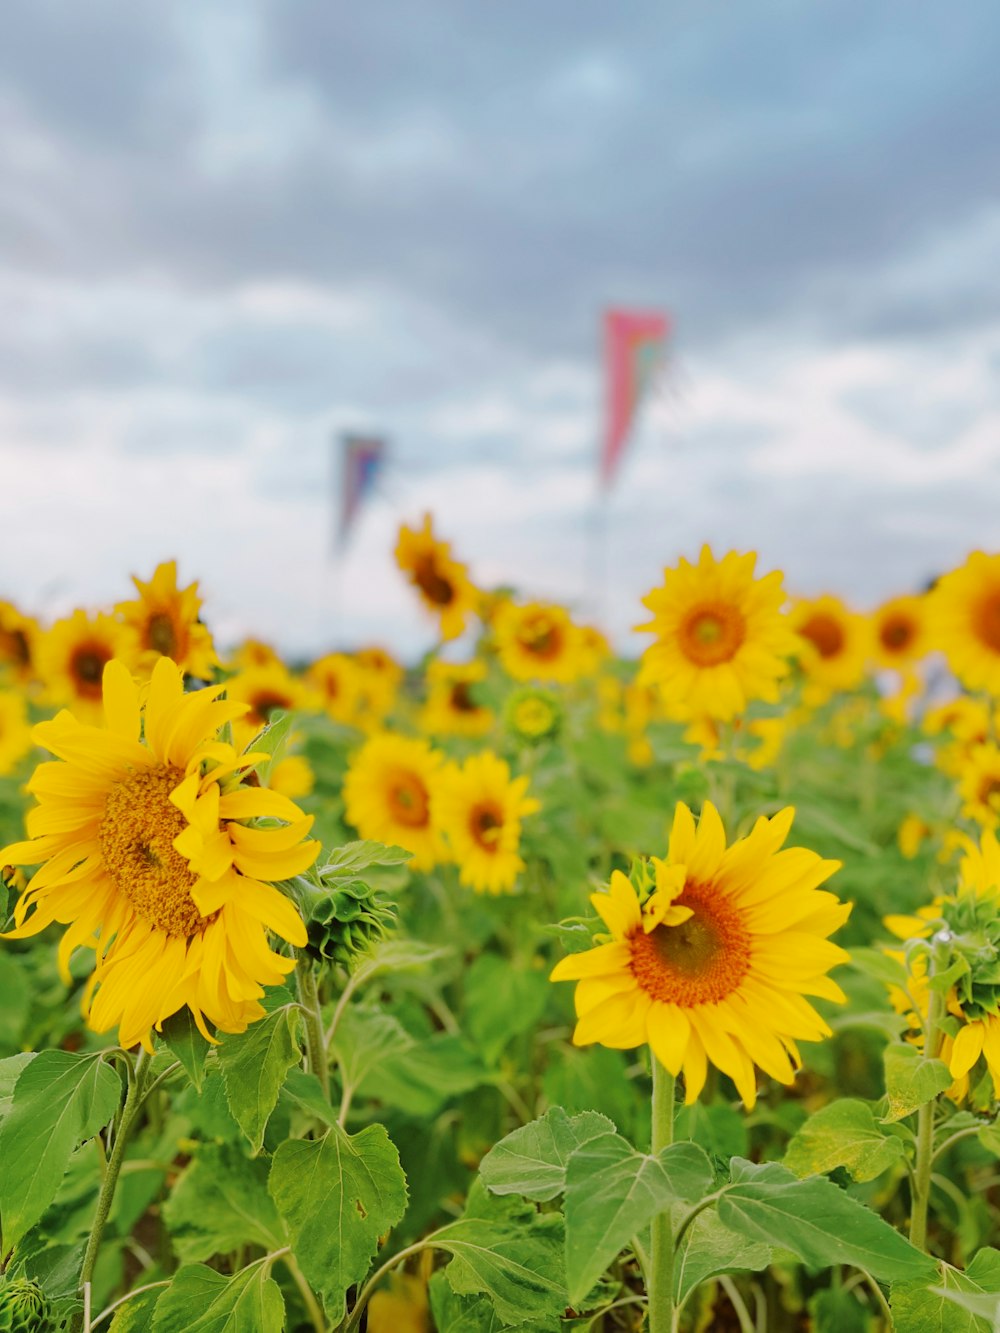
(344, 918)
(23, 1307)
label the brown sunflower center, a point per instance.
(989, 791)
(825, 633)
(486, 825)
(702, 960)
(86, 667)
(712, 633)
(265, 703)
(897, 633)
(161, 634)
(137, 846)
(461, 697)
(986, 621)
(432, 583)
(14, 647)
(409, 800)
(541, 637)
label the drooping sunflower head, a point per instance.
(72, 656)
(480, 808)
(833, 644)
(454, 705)
(152, 853)
(899, 631)
(539, 641)
(712, 956)
(442, 582)
(964, 621)
(166, 624)
(389, 795)
(721, 638)
(18, 643)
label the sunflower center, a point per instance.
(702, 960)
(461, 697)
(712, 633)
(14, 646)
(408, 800)
(264, 704)
(824, 633)
(987, 621)
(432, 583)
(896, 633)
(485, 825)
(989, 791)
(161, 635)
(86, 666)
(541, 638)
(137, 846)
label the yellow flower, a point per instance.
(265, 691)
(336, 679)
(151, 855)
(388, 796)
(15, 734)
(18, 642)
(292, 777)
(452, 707)
(166, 624)
(381, 677)
(911, 834)
(899, 631)
(833, 644)
(979, 785)
(964, 621)
(595, 649)
(253, 653)
(443, 583)
(721, 639)
(533, 714)
(539, 641)
(480, 808)
(967, 721)
(72, 656)
(728, 983)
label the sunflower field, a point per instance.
(525, 987)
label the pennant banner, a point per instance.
(362, 460)
(634, 345)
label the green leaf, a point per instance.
(501, 1002)
(937, 1309)
(254, 1065)
(356, 857)
(532, 1160)
(219, 1203)
(338, 1195)
(875, 963)
(136, 1315)
(519, 1267)
(845, 1134)
(817, 1221)
(476, 1314)
(59, 1101)
(613, 1192)
(273, 739)
(180, 1033)
(15, 997)
(720, 1129)
(401, 956)
(911, 1081)
(10, 1072)
(303, 1093)
(200, 1300)
(838, 1311)
(708, 1248)
(420, 1079)
(366, 1039)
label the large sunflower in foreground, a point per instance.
(442, 582)
(166, 624)
(149, 851)
(833, 644)
(480, 807)
(716, 963)
(72, 655)
(721, 638)
(389, 792)
(964, 621)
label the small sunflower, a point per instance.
(453, 707)
(72, 656)
(166, 624)
(15, 733)
(716, 963)
(533, 715)
(721, 639)
(964, 621)
(480, 808)
(265, 691)
(833, 644)
(379, 683)
(253, 653)
(336, 680)
(899, 632)
(442, 582)
(389, 793)
(150, 854)
(539, 641)
(979, 785)
(958, 726)
(18, 642)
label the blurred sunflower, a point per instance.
(539, 641)
(150, 854)
(833, 644)
(166, 624)
(958, 725)
(442, 582)
(715, 964)
(964, 621)
(18, 642)
(253, 653)
(380, 679)
(72, 656)
(480, 808)
(532, 714)
(899, 632)
(453, 707)
(721, 639)
(389, 792)
(15, 733)
(336, 680)
(265, 691)
(979, 785)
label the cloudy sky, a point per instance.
(229, 230)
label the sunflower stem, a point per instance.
(133, 1102)
(305, 980)
(938, 962)
(660, 1278)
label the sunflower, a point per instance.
(533, 715)
(15, 734)
(958, 725)
(150, 854)
(453, 707)
(716, 963)
(389, 793)
(336, 680)
(899, 632)
(979, 785)
(18, 642)
(166, 624)
(721, 639)
(379, 682)
(253, 653)
(265, 691)
(833, 645)
(72, 656)
(480, 808)
(442, 582)
(964, 621)
(539, 641)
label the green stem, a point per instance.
(660, 1278)
(133, 1101)
(305, 980)
(937, 962)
